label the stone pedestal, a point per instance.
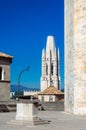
(26, 114)
(26, 110)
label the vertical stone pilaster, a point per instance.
(75, 56)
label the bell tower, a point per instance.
(50, 65)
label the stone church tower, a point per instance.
(75, 56)
(50, 65)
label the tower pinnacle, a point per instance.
(50, 43)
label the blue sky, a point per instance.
(24, 27)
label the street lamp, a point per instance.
(26, 69)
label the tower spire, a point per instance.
(50, 46)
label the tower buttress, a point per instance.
(43, 63)
(59, 78)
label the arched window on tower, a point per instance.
(0, 73)
(46, 69)
(52, 69)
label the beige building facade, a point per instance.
(75, 56)
(51, 94)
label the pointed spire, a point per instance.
(43, 54)
(50, 46)
(50, 43)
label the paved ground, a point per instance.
(59, 121)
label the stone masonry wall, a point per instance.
(69, 59)
(80, 57)
(5, 83)
(75, 56)
(4, 91)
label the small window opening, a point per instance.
(52, 69)
(0, 73)
(46, 69)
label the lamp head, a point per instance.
(28, 68)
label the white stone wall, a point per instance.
(75, 56)
(47, 98)
(30, 92)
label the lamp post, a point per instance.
(26, 69)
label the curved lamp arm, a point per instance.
(26, 69)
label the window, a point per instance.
(0, 73)
(51, 81)
(52, 69)
(46, 69)
(42, 98)
(51, 98)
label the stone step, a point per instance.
(58, 106)
(7, 106)
(35, 121)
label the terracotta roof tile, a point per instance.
(5, 55)
(51, 90)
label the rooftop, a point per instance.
(51, 91)
(5, 55)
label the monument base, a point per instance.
(26, 110)
(27, 114)
(35, 121)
